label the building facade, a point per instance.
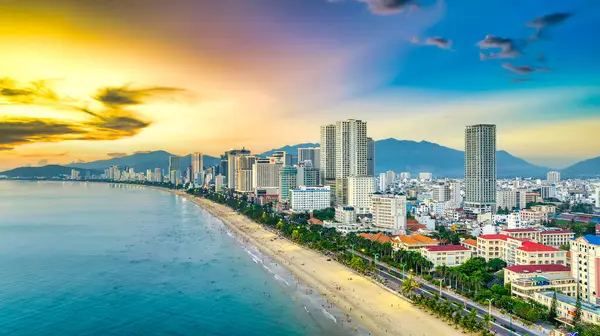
(370, 157)
(327, 155)
(448, 255)
(553, 177)
(360, 189)
(389, 212)
(526, 280)
(288, 180)
(312, 154)
(480, 168)
(351, 155)
(585, 266)
(310, 198)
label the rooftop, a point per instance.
(378, 237)
(493, 237)
(538, 268)
(595, 240)
(470, 241)
(416, 239)
(536, 247)
(549, 232)
(446, 248)
(519, 230)
(572, 301)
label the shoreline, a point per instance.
(371, 305)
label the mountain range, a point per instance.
(47, 171)
(390, 154)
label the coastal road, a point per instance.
(500, 326)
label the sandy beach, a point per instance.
(368, 303)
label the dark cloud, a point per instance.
(546, 21)
(522, 70)
(116, 155)
(508, 47)
(14, 132)
(439, 42)
(125, 96)
(42, 162)
(114, 121)
(384, 7)
(142, 152)
(44, 155)
(34, 93)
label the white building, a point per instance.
(220, 182)
(425, 176)
(265, 177)
(197, 168)
(480, 168)
(585, 266)
(243, 181)
(389, 212)
(382, 182)
(360, 189)
(327, 154)
(310, 198)
(350, 155)
(548, 191)
(345, 214)
(157, 175)
(513, 220)
(441, 193)
(455, 195)
(553, 177)
(311, 153)
(404, 176)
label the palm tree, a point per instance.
(487, 319)
(409, 285)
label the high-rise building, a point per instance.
(149, 175)
(553, 177)
(351, 155)
(404, 176)
(480, 168)
(311, 153)
(265, 177)
(174, 163)
(389, 212)
(74, 174)
(585, 267)
(441, 192)
(597, 196)
(370, 157)
(360, 189)
(243, 172)
(220, 183)
(197, 168)
(288, 180)
(305, 198)
(188, 174)
(157, 175)
(308, 176)
(455, 196)
(231, 165)
(425, 176)
(327, 155)
(383, 182)
(548, 191)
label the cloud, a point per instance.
(42, 162)
(521, 80)
(523, 69)
(386, 7)
(44, 155)
(115, 120)
(114, 97)
(142, 152)
(439, 42)
(116, 155)
(543, 22)
(508, 47)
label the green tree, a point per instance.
(496, 264)
(409, 285)
(577, 315)
(552, 313)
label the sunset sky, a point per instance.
(85, 79)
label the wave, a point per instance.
(281, 279)
(328, 315)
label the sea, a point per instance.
(81, 258)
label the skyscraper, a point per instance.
(231, 165)
(197, 167)
(327, 155)
(175, 169)
(312, 153)
(157, 175)
(553, 177)
(288, 179)
(350, 154)
(480, 168)
(370, 157)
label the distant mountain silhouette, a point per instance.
(585, 168)
(390, 154)
(46, 171)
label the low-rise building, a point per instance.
(531, 216)
(566, 306)
(550, 237)
(413, 242)
(345, 214)
(531, 253)
(448, 255)
(379, 237)
(471, 244)
(526, 280)
(310, 198)
(491, 246)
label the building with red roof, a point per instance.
(526, 280)
(447, 255)
(554, 238)
(491, 246)
(531, 253)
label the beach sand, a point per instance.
(376, 308)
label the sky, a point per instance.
(83, 80)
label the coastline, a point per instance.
(369, 304)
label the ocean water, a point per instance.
(108, 259)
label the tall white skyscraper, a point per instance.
(350, 155)
(231, 165)
(265, 177)
(197, 167)
(480, 168)
(327, 155)
(455, 196)
(312, 153)
(553, 177)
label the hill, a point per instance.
(585, 168)
(390, 154)
(46, 171)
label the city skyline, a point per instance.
(117, 78)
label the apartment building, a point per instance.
(448, 255)
(531, 253)
(566, 306)
(491, 246)
(471, 244)
(585, 266)
(305, 198)
(526, 280)
(554, 238)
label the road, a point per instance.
(501, 324)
